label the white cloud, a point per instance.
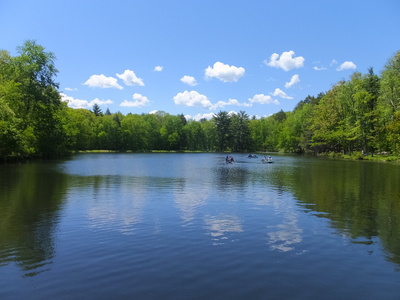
(189, 80)
(263, 99)
(158, 68)
(320, 68)
(71, 89)
(295, 79)
(333, 62)
(192, 98)
(224, 72)
(103, 82)
(78, 103)
(286, 61)
(346, 65)
(139, 101)
(100, 102)
(198, 117)
(129, 77)
(280, 93)
(230, 102)
(232, 112)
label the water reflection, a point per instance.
(285, 236)
(116, 202)
(361, 199)
(222, 227)
(230, 176)
(188, 198)
(31, 196)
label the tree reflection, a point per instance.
(362, 199)
(30, 199)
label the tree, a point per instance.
(31, 93)
(80, 129)
(135, 133)
(327, 124)
(97, 110)
(279, 116)
(171, 132)
(210, 134)
(389, 100)
(222, 122)
(240, 132)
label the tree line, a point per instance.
(360, 114)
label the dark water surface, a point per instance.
(190, 226)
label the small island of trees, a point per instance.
(360, 115)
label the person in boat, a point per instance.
(229, 159)
(269, 158)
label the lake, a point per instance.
(191, 226)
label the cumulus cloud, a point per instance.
(224, 72)
(280, 93)
(230, 102)
(192, 98)
(78, 103)
(129, 77)
(295, 79)
(189, 80)
(286, 61)
(138, 101)
(158, 68)
(263, 99)
(198, 117)
(346, 65)
(103, 82)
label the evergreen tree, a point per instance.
(97, 110)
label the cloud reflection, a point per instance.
(188, 199)
(222, 226)
(288, 234)
(121, 214)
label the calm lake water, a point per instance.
(190, 226)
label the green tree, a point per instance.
(327, 124)
(108, 133)
(171, 131)
(30, 91)
(135, 133)
(210, 135)
(80, 129)
(195, 135)
(97, 110)
(240, 132)
(295, 135)
(222, 123)
(154, 124)
(389, 100)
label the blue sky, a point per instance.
(200, 57)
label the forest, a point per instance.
(357, 116)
